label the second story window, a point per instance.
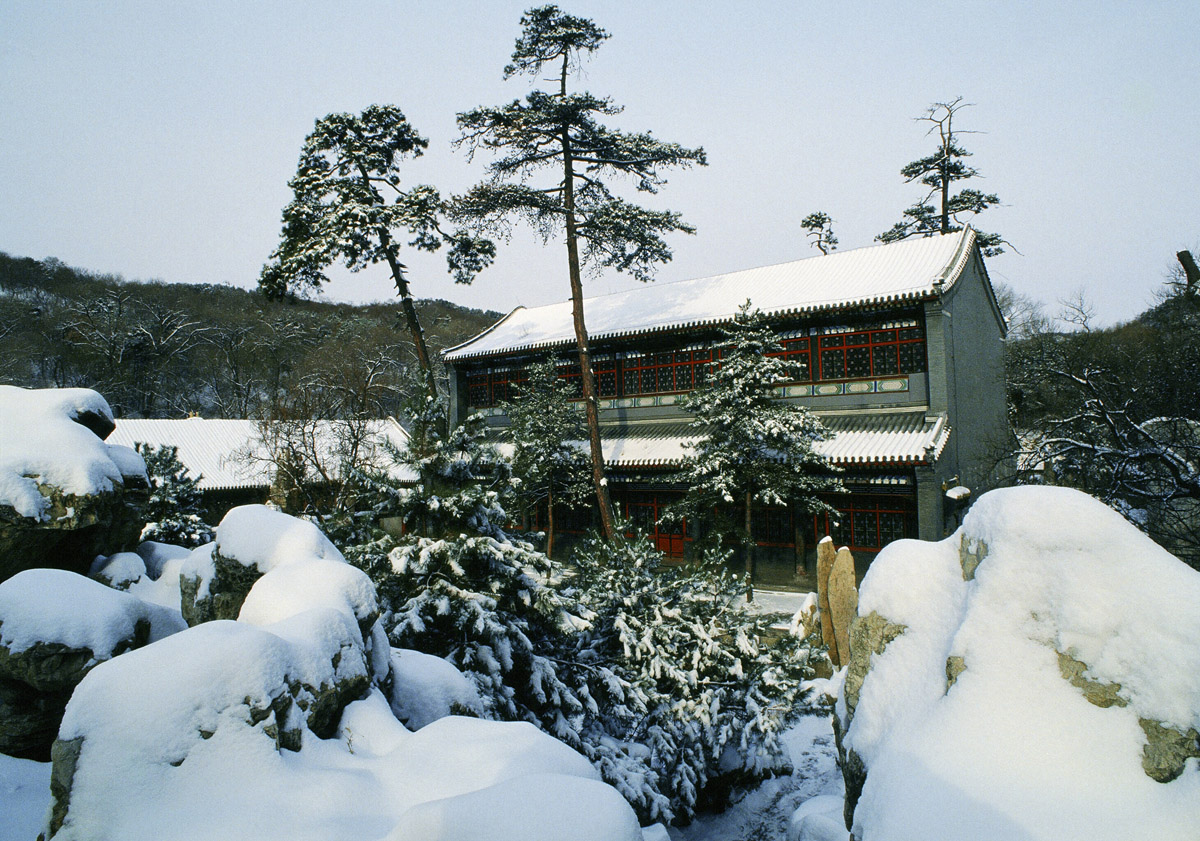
(871, 353)
(847, 353)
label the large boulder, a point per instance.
(1036, 675)
(64, 494)
(55, 627)
(251, 540)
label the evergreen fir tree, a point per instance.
(458, 587)
(658, 676)
(546, 431)
(937, 172)
(693, 696)
(175, 504)
(755, 448)
(560, 132)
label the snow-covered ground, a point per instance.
(24, 798)
(763, 813)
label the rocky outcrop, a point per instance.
(969, 662)
(65, 495)
(55, 627)
(869, 637)
(212, 586)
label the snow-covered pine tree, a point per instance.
(693, 696)
(755, 448)
(560, 133)
(340, 213)
(658, 676)
(456, 586)
(174, 506)
(547, 434)
(937, 172)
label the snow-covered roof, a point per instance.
(226, 453)
(912, 270)
(858, 439)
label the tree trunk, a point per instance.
(406, 301)
(945, 192)
(798, 540)
(550, 524)
(1191, 273)
(607, 520)
(749, 554)
(410, 316)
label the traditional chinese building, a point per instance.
(901, 349)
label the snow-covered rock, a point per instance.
(55, 627)
(278, 726)
(565, 806)
(62, 489)
(118, 571)
(251, 541)
(1035, 676)
(426, 688)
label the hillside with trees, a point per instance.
(1115, 411)
(161, 350)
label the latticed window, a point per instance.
(872, 353)
(888, 350)
(867, 522)
(772, 527)
(644, 509)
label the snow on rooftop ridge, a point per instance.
(904, 271)
(43, 441)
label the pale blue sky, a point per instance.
(155, 139)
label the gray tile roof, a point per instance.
(859, 439)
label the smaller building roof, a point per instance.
(898, 273)
(229, 454)
(862, 439)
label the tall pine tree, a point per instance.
(938, 172)
(339, 213)
(560, 133)
(755, 448)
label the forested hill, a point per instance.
(165, 350)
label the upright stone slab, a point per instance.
(843, 602)
(825, 557)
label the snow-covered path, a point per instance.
(763, 813)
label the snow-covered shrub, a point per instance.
(659, 676)
(173, 508)
(485, 606)
(693, 695)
